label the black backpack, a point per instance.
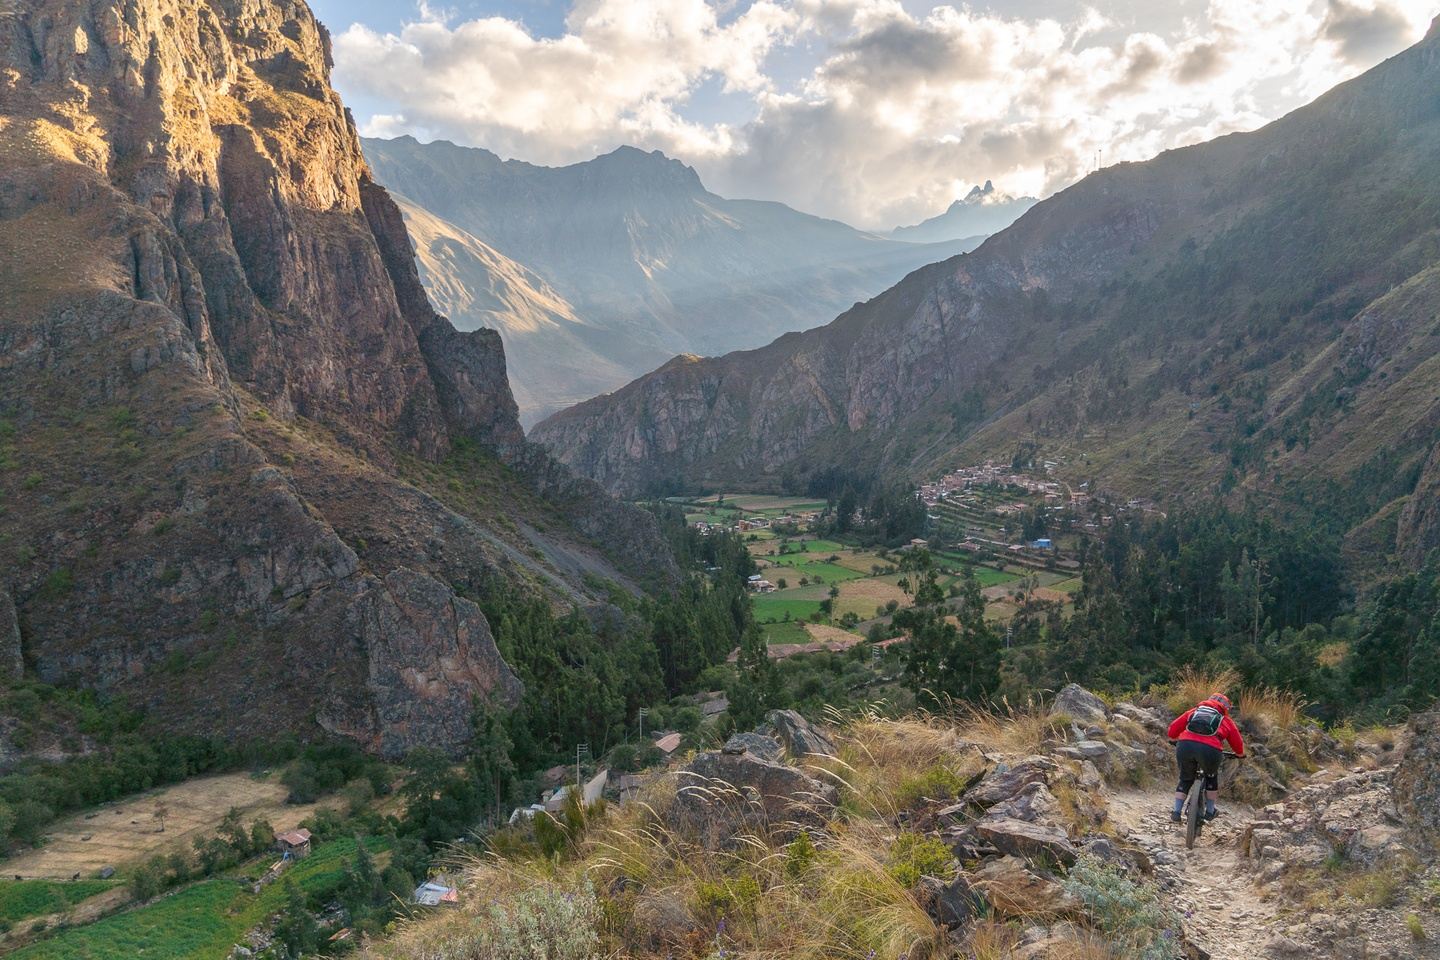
(1205, 720)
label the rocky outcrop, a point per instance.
(722, 795)
(802, 740)
(1110, 309)
(1417, 777)
(1079, 704)
(1016, 838)
(756, 744)
(218, 369)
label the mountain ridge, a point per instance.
(650, 263)
(243, 448)
(1169, 327)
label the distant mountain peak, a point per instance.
(652, 163)
(976, 195)
(981, 212)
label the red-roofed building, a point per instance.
(295, 844)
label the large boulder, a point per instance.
(755, 744)
(801, 738)
(721, 794)
(1028, 841)
(1009, 780)
(1034, 802)
(1079, 704)
(1417, 778)
(1014, 889)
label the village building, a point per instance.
(668, 743)
(294, 844)
(437, 893)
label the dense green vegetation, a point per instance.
(204, 919)
(588, 672)
(1220, 589)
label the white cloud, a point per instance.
(860, 109)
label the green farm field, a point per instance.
(21, 900)
(203, 920)
(785, 632)
(773, 607)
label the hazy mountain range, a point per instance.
(599, 272)
(983, 211)
(1255, 317)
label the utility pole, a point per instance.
(582, 753)
(644, 712)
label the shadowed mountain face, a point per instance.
(634, 260)
(247, 467)
(983, 212)
(1257, 315)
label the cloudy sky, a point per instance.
(878, 112)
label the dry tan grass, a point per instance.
(992, 940)
(128, 832)
(1279, 710)
(880, 756)
(1018, 729)
(666, 896)
(1192, 685)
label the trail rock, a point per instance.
(801, 739)
(1131, 859)
(1033, 803)
(1020, 839)
(1006, 781)
(1149, 719)
(758, 745)
(1077, 703)
(721, 794)
(1010, 886)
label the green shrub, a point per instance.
(58, 584)
(728, 897)
(937, 783)
(1132, 917)
(914, 856)
(800, 856)
(33, 481)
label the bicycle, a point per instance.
(1194, 813)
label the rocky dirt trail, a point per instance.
(1210, 884)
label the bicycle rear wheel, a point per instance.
(1195, 813)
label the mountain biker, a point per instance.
(1199, 733)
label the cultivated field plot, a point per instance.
(788, 604)
(122, 833)
(785, 632)
(816, 570)
(759, 503)
(861, 597)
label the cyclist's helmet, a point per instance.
(1223, 701)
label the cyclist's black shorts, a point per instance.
(1195, 758)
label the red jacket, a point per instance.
(1228, 731)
